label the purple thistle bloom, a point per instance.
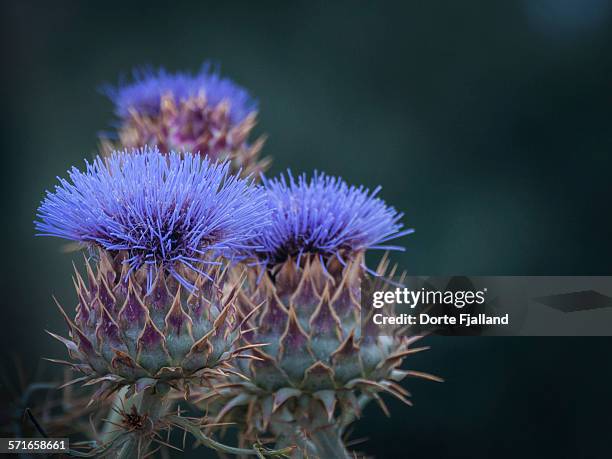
(326, 217)
(163, 210)
(145, 93)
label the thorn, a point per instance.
(420, 374)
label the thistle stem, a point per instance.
(348, 417)
(151, 404)
(328, 443)
(303, 447)
(258, 450)
(114, 414)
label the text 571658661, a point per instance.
(33, 445)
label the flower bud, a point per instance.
(202, 113)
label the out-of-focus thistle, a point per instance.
(202, 113)
(318, 368)
(155, 312)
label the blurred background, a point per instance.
(487, 123)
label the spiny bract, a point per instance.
(126, 334)
(318, 362)
(164, 211)
(203, 113)
(316, 352)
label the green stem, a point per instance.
(304, 448)
(328, 443)
(349, 416)
(152, 404)
(131, 449)
(196, 431)
(120, 402)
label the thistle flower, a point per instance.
(144, 95)
(203, 113)
(308, 381)
(158, 221)
(161, 210)
(156, 311)
(326, 217)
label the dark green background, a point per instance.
(488, 123)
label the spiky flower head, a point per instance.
(318, 362)
(127, 333)
(203, 113)
(326, 217)
(145, 92)
(162, 211)
(155, 307)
